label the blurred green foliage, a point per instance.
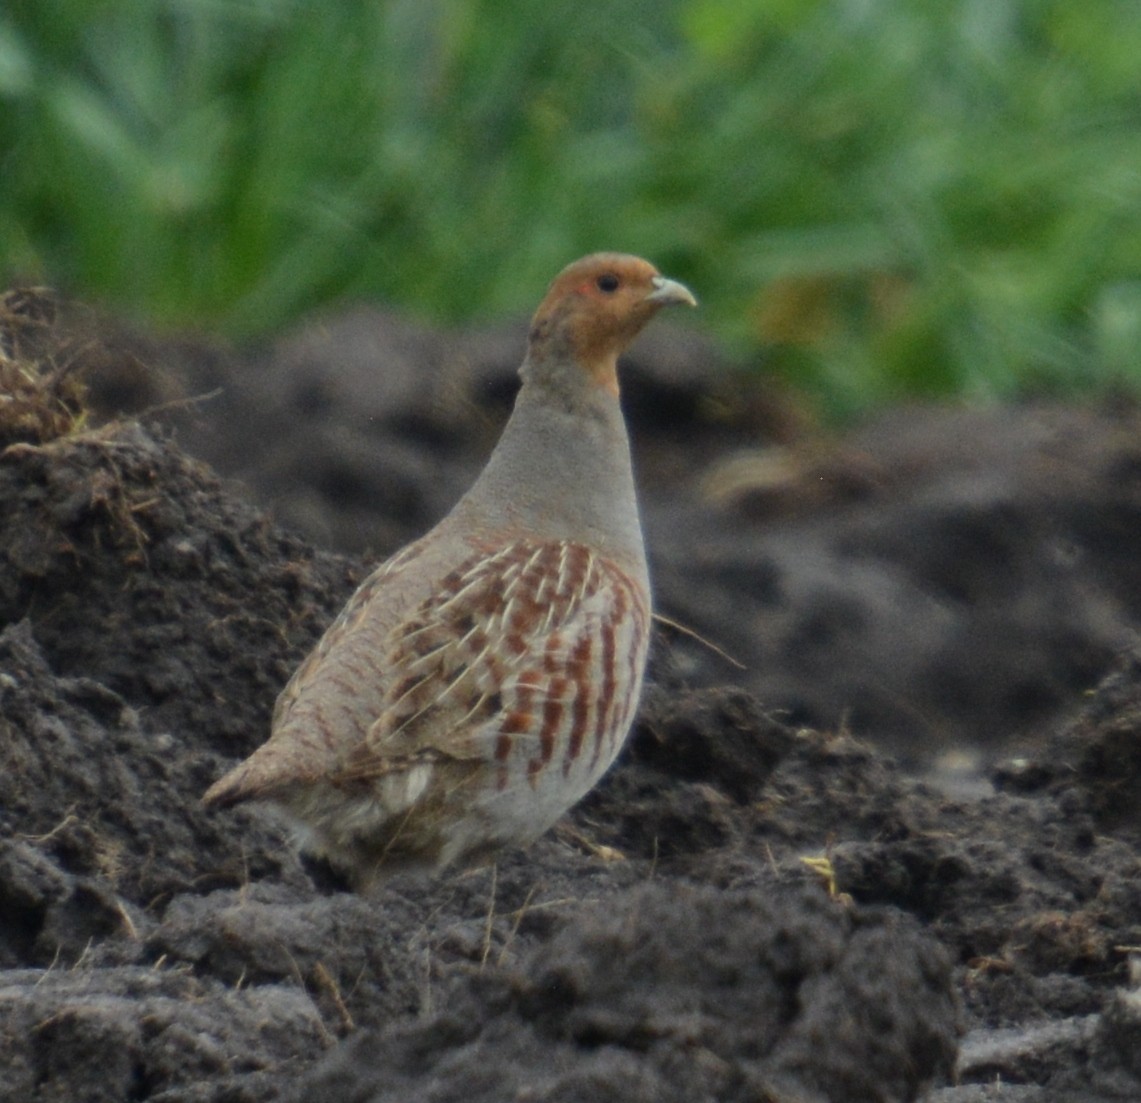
(891, 197)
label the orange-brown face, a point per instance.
(598, 305)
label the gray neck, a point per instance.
(561, 470)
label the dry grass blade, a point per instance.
(41, 396)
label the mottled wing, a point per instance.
(527, 656)
(348, 620)
(326, 705)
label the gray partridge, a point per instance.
(480, 681)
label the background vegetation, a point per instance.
(891, 197)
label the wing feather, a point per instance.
(494, 663)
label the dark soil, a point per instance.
(896, 855)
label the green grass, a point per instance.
(889, 198)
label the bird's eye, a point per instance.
(607, 282)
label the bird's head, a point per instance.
(595, 307)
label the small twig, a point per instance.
(177, 403)
(515, 926)
(50, 969)
(67, 820)
(669, 622)
(126, 920)
(426, 994)
(490, 918)
(771, 857)
(299, 977)
(325, 980)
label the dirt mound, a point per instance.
(677, 993)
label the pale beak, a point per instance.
(670, 293)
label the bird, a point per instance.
(481, 680)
